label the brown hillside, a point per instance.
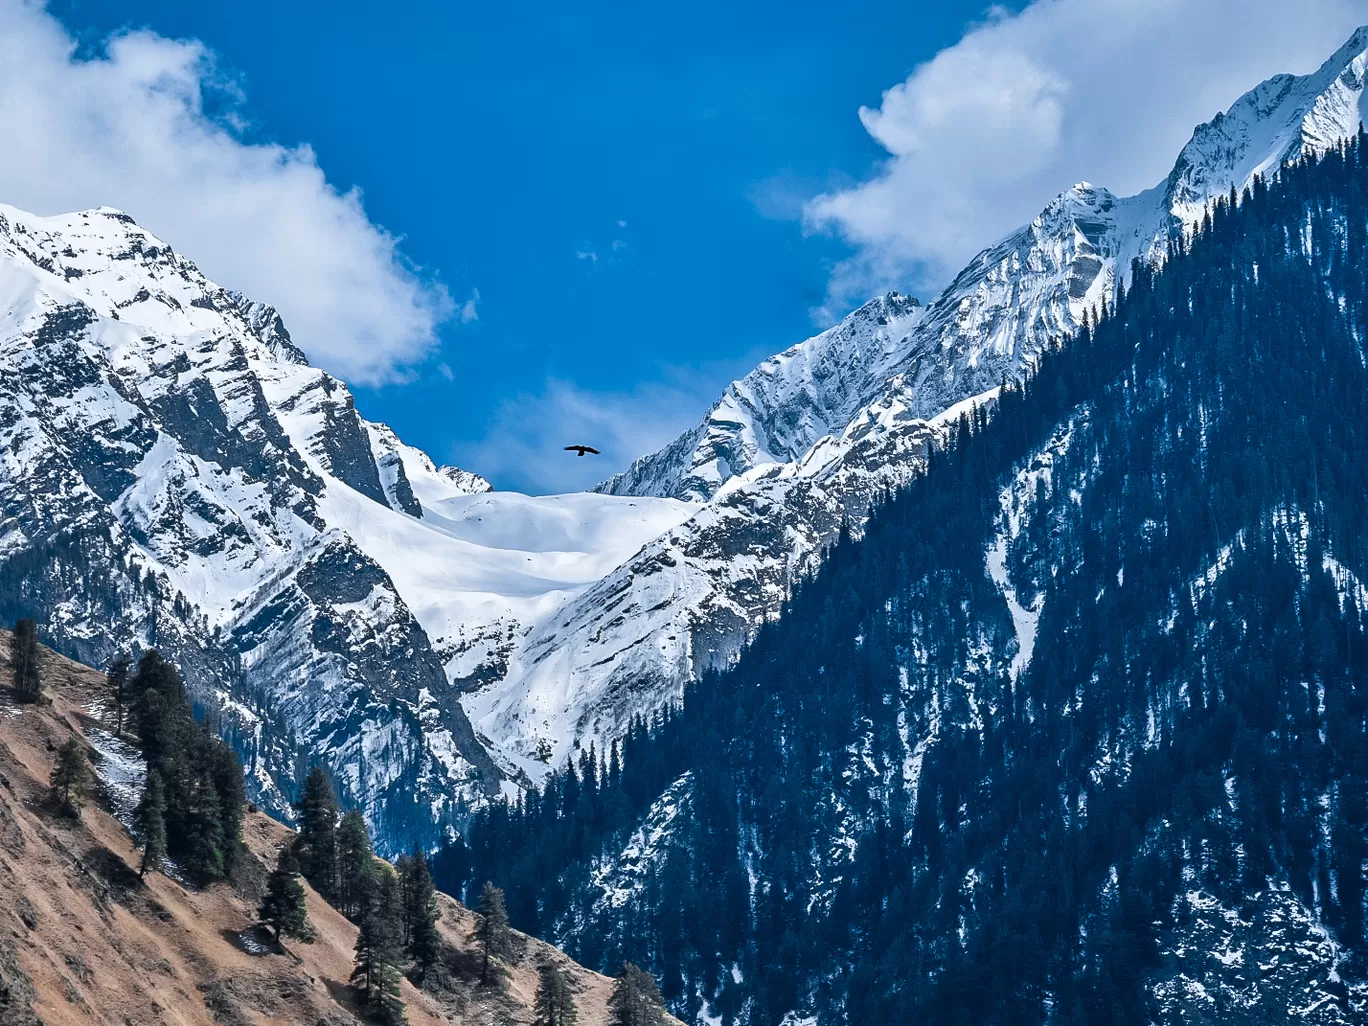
(83, 941)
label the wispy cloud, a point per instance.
(468, 312)
(132, 128)
(1027, 104)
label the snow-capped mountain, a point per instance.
(815, 434)
(175, 473)
(1002, 309)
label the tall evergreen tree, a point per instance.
(635, 1000)
(421, 938)
(377, 969)
(70, 776)
(149, 823)
(283, 908)
(25, 662)
(204, 840)
(492, 932)
(316, 845)
(223, 769)
(355, 865)
(555, 1002)
(118, 687)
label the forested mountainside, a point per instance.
(814, 434)
(1075, 732)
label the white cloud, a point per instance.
(130, 129)
(1024, 105)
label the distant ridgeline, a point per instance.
(1076, 732)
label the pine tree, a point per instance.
(118, 681)
(70, 776)
(223, 771)
(283, 908)
(355, 865)
(555, 1003)
(316, 845)
(160, 714)
(492, 931)
(204, 842)
(203, 794)
(25, 662)
(423, 942)
(149, 823)
(376, 972)
(635, 1000)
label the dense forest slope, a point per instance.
(1075, 732)
(82, 940)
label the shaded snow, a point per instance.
(121, 770)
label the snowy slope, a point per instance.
(1008, 303)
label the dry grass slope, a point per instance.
(83, 942)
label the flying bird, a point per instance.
(581, 449)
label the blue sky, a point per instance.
(619, 183)
(576, 225)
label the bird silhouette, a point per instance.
(581, 449)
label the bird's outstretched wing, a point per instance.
(582, 449)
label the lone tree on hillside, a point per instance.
(377, 972)
(316, 845)
(492, 932)
(70, 776)
(24, 662)
(118, 680)
(283, 907)
(149, 822)
(555, 1004)
(355, 866)
(421, 939)
(636, 999)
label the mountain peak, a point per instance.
(1281, 118)
(1355, 46)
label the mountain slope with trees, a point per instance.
(1075, 732)
(84, 939)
